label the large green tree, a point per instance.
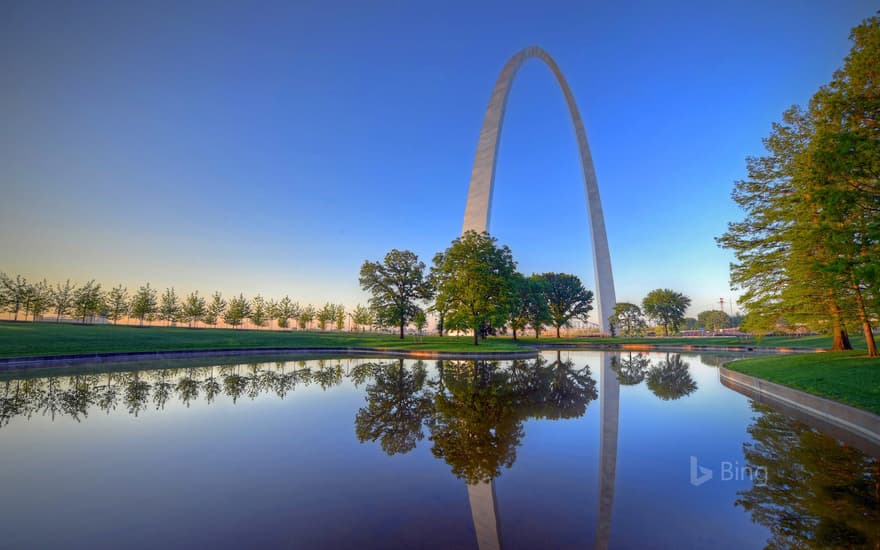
(806, 251)
(475, 279)
(666, 307)
(567, 299)
(396, 286)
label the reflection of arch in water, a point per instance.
(484, 504)
(479, 201)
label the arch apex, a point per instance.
(479, 201)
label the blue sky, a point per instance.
(273, 147)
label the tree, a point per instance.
(839, 175)
(441, 308)
(517, 319)
(475, 279)
(396, 285)
(420, 321)
(239, 309)
(807, 249)
(528, 304)
(666, 307)
(117, 303)
(326, 315)
(194, 308)
(362, 316)
(627, 319)
(285, 311)
(143, 303)
(15, 293)
(340, 317)
(713, 319)
(259, 311)
(537, 307)
(215, 309)
(306, 316)
(169, 307)
(567, 299)
(88, 300)
(62, 299)
(40, 299)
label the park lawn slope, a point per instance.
(848, 376)
(37, 339)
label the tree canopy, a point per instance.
(396, 286)
(807, 249)
(666, 307)
(475, 281)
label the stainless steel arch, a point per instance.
(479, 201)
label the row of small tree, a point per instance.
(472, 286)
(86, 302)
(808, 249)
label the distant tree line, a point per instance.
(25, 300)
(808, 249)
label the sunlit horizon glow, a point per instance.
(271, 151)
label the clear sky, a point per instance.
(272, 148)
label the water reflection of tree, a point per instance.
(398, 404)
(478, 413)
(136, 392)
(818, 493)
(475, 427)
(670, 379)
(630, 370)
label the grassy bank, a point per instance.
(807, 342)
(30, 339)
(849, 377)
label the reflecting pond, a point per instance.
(572, 449)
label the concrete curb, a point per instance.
(13, 363)
(855, 426)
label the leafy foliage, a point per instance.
(396, 285)
(475, 279)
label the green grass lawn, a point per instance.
(813, 342)
(29, 339)
(848, 376)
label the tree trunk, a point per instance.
(840, 340)
(537, 333)
(402, 324)
(866, 323)
(476, 336)
(514, 335)
(557, 332)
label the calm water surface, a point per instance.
(573, 450)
